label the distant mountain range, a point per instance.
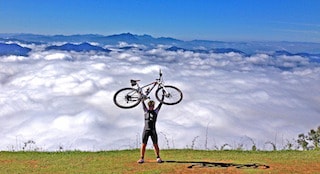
(103, 40)
(83, 47)
(13, 49)
(214, 50)
(82, 43)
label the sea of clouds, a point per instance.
(63, 100)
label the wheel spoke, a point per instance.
(127, 98)
(172, 95)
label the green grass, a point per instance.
(125, 161)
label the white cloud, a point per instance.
(54, 56)
(57, 102)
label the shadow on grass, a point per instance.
(220, 164)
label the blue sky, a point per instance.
(230, 20)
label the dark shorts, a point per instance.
(147, 133)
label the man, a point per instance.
(150, 117)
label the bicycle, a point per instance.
(131, 97)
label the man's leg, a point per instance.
(156, 150)
(154, 137)
(142, 152)
(145, 136)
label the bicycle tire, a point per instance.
(127, 98)
(173, 97)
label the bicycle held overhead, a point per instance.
(131, 96)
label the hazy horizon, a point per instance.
(231, 20)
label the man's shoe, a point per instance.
(140, 161)
(159, 160)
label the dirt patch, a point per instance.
(298, 167)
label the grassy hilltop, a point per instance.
(176, 161)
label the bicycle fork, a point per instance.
(165, 92)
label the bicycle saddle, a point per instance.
(134, 82)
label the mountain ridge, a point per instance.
(202, 46)
(13, 49)
(83, 47)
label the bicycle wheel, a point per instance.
(127, 98)
(172, 95)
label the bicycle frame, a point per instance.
(145, 94)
